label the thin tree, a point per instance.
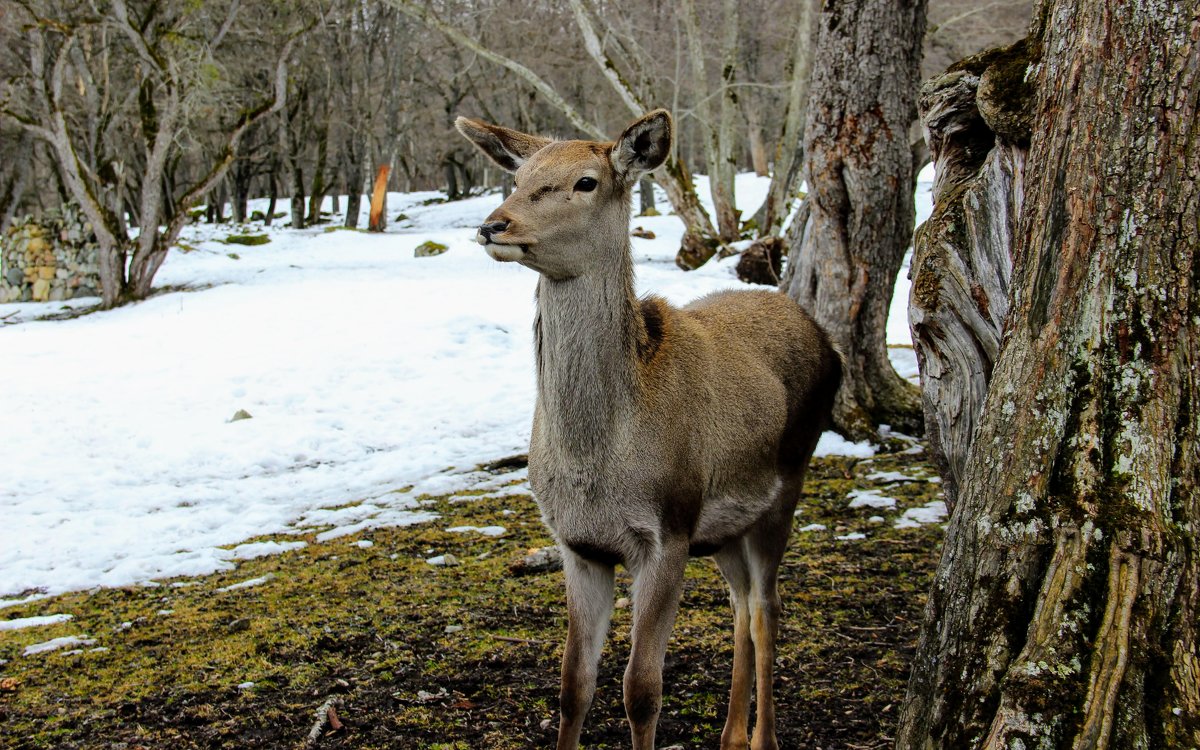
(1065, 610)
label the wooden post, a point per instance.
(379, 201)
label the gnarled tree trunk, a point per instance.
(1065, 610)
(961, 256)
(859, 168)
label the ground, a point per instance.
(466, 656)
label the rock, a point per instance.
(544, 560)
(429, 249)
(58, 293)
(453, 629)
(622, 603)
(645, 234)
(41, 290)
(447, 560)
(239, 415)
(15, 276)
(86, 291)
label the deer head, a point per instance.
(568, 213)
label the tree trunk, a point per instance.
(961, 257)
(646, 196)
(758, 148)
(319, 182)
(352, 169)
(861, 221)
(272, 194)
(378, 218)
(297, 193)
(1065, 610)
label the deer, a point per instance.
(659, 432)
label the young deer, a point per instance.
(659, 432)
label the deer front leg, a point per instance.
(657, 586)
(589, 607)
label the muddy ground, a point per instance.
(466, 656)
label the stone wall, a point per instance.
(48, 259)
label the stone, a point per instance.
(544, 560)
(46, 272)
(239, 415)
(83, 290)
(15, 276)
(429, 249)
(58, 293)
(41, 290)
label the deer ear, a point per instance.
(644, 145)
(508, 148)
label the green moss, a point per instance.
(369, 625)
(247, 239)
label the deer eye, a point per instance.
(586, 184)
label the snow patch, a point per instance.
(249, 582)
(365, 370)
(33, 622)
(870, 499)
(833, 444)
(931, 512)
(56, 643)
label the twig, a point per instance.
(509, 639)
(326, 716)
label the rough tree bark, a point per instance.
(978, 135)
(859, 169)
(1065, 611)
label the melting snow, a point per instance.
(366, 370)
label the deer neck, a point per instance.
(586, 335)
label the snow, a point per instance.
(248, 583)
(833, 444)
(484, 530)
(372, 378)
(21, 623)
(931, 512)
(56, 643)
(890, 477)
(869, 499)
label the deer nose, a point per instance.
(492, 227)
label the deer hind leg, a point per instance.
(657, 586)
(765, 545)
(734, 565)
(589, 608)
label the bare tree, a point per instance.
(165, 59)
(1064, 612)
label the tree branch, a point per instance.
(594, 48)
(410, 9)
